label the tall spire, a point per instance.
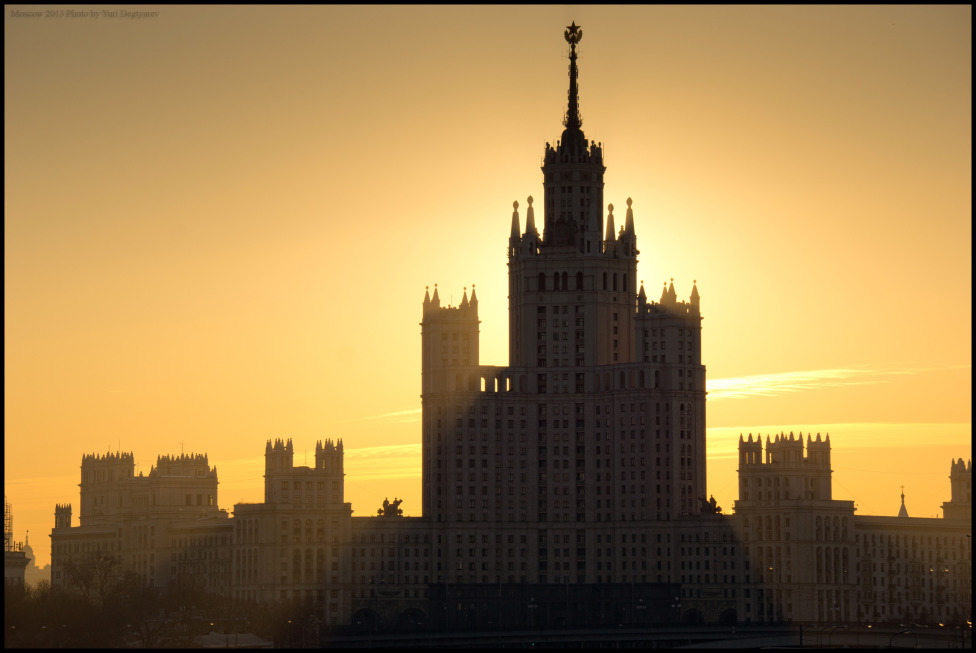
(573, 137)
(573, 35)
(903, 512)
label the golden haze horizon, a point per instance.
(219, 224)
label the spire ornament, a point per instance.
(573, 34)
(573, 136)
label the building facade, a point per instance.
(566, 488)
(165, 527)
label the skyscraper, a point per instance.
(597, 425)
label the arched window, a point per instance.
(604, 280)
(565, 281)
(555, 281)
(542, 281)
(614, 280)
(579, 281)
(625, 282)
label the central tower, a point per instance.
(594, 433)
(575, 262)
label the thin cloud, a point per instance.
(768, 385)
(389, 461)
(412, 415)
(384, 451)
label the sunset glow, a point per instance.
(220, 224)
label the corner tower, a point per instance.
(960, 506)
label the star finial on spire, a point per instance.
(573, 34)
(573, 137)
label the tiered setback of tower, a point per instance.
(567, 487)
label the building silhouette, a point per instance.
(15, 560)
(566, 488)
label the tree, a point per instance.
(94, 576)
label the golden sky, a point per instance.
(219, 224)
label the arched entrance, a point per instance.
(366, 621)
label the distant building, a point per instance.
(566, 488)
(34, 575)
(166, 527)
(14, 557)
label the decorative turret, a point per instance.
(513, 239)
(101, 489)
(530, 229)
(279, 457)
(903, 511)
(449, 340)
(961, 482)
(695, 300)
(784, 459)
(62, 515)
(610, 239)
(329, 456)
(195, 465)
(628, 239)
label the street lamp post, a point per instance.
(676, 605)
(820, 635)
(900, 632)
(857, 639)
(831, 633)
(532, 606)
